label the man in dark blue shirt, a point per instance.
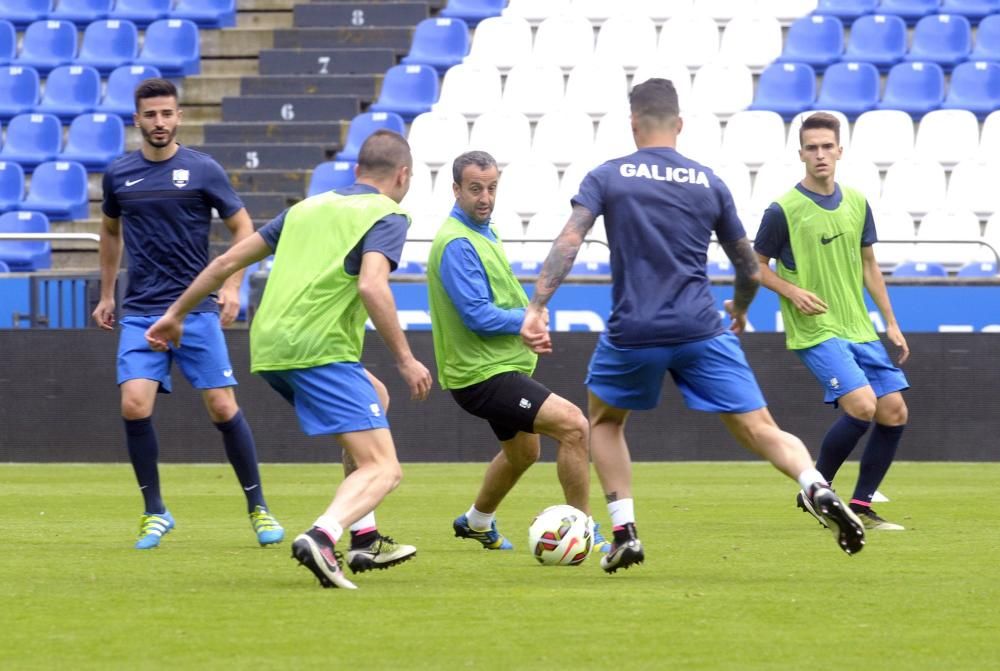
(660, 210)
(160, 200)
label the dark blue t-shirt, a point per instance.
(166, 216)
(660, 210)
(772, 238)
(386, 236)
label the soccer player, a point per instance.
(160, 200)
(660, 210)
(821, 234)
(332, 257)
(477, 307)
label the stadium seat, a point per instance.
(534, 88)
(442, 194)
(8, 42)
(944, 39)
(569, 185)
(723, 11)
(909, 10)
(896, 234)
(861, 175)
(786, 88)
(978, 269)
(723, 269)
(47, 44)
(701, 137)
(846, 10)
(919, 269)
(418, 198)
(59, 189)
(173, 47)
(71, 90)
(32, 139)
(506, 134)
(753, 137)
(590, 268)
(975, 86)
(662, 10)
(408, 90)
(440, 43)
(24, 12)
(974, 185)
(816, 40)
(330, 175)
(95, 140)
(546, 225)
(774, 179)
(793, 130)
(436, 138)
(754, 41)
(958, 225)
(564, 40)
(501, 41)
(948, 136)
(563, 136)
(597, 88)
(852, 88)
(470, 89)
(119, 98)
(141, 12)
(877, 39)
(11, 185)
(677, 73)
(690, 39)
(528, 186)
(736, 176)
(206, 13)
(915, 88)
(81, 12)
(473, 12)
(788, 11)
(4, 268)
(536, 11)
(108, 44)
(914, 184)
(989, 143)
(987, 47)
(25, 255)
(626, 40)
(722, 88)
(613, 137)
(19, 89)
(599, 11)
(364, 125)
(974, 10)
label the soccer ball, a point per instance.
(561, 536)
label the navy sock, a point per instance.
(838, 443)
(876, 460)
(143, 452)
(242, 454)
(363, 540)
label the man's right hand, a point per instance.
(104, 314)
(535, 330)
(807, 302)
(417, 378)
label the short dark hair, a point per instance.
(654, 98)
(821, 120)
(154, 88)
(480, 159)
(383, 153)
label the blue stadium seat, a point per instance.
(410, 267)
(71, 90)
(4, 268)
(331, 175)
(119, 98)
(915, 88)
(25, 255)
(978, 269)
(591, 268)
(364, 125)
(11, 186)
(944, 39)
(141, 12)
(206, 13)
(108, 44)
(23, 12)
(987, 40)
(816, 40)
(851, 88)
(786, 88)
(974, 10)
(8, 42)
(877, 39)
(19, 89)
(59, 189)
(32, 139)
(909, 10)
(720, 269)
(846, 10)
(919, 269)
(173, 46)
(975, 86)
(473, 11)
(408, 90)
(95, 140)
(440, 43)
(81, 12)
(47, 45)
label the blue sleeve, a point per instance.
(868, 234)
(219, 191)
(728, 227)
(772, 237)
(387, 236)
(591, 195)
(465, 282)
(110, 206)
(271, 231)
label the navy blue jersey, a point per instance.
(772, 239)
(166, 215)
(660, 210)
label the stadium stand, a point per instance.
(70, 90)
(330, 175)
(626, 40)
(974, 10)
(473, 11)
(564, 136)
(753, 137)
(408, 90)
(534, 89)
(501, 41)
(958, 227)
(691, 39)
(439, 43)
(32, 139)
(754, 41)
(975, 86)
(983, 269)
(24, 12)
(8, 42)
(944, 39)
(793, 129)
(4, 268)
(847, 10)
(987, 45)
(786, 88)
(11, 186)
(852, 88)
(914, 88)
(909, 10)
(877, 39)
(119, 95)
(470, 89)
(81, 12)
(108, 44)
(504, 133)
(722, 88)
(597, 88)
(59, 190)
(915, 184)
(436, 138)
(206, 13)
(172, 46)
(528, 186)
(364, 125)
(141, 12)
(915, 269)
(815, 40)
(47, 44)
(973, 185)
(948, 136)
(94, 140)
(536, 11)
(564, 40)
(25, 255)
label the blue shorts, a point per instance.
(713, 375)
(842, 366)
(202, 356)
(331, 399)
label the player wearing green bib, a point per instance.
(821, 234)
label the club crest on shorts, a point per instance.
(181, 178)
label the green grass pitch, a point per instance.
(735, 577)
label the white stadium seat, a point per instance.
(773, 180)
(547, 225)
(861, 175)
(443, 194)
(754, 41)
(564, 40)
(948, 224)
(896, 233)
(661, 10)
(627, 41)
(504, 133)
(508, 224)
(677, 73)
(736, 176)
(564, 136)
(989, 143)
(723, 11)
(534, 88)
(787, 11)
(690, 39)
(528, 186)
(722, 88)
(419, 196)
(753, 137)
(614, 136)
(437, 137)
(701, 137)
(569, 185)
(882, 136)
(975, 184)
(470, 89)
(915, 184)
(536, 11)
(793, 130)
(948, 136)
(597, 88)
(502, 41)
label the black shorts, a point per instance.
(508, 401)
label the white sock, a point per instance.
(331, 526)
(810, 477)
(480, 521)
(622, 512)
(365, 523)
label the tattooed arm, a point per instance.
(745, 285)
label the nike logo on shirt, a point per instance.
(133, 182)
(825, 240)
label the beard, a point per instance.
(159, 144)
